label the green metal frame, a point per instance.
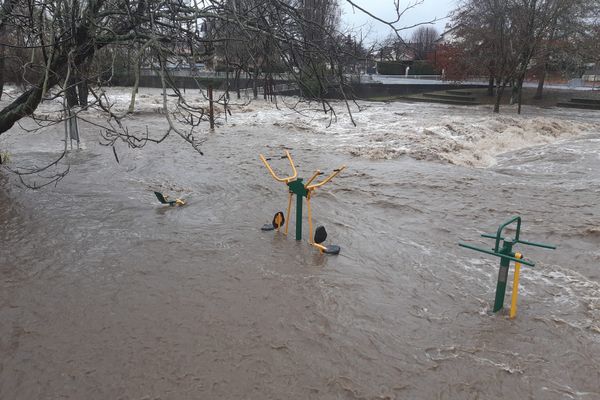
(302, 190)
(297, 187)
(505, 252)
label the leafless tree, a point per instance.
(569, 44)
(73, 46)
(423, 40)
(506, 35)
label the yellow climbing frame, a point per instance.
(295, 186)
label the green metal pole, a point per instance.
(502, 276)
(299, 217)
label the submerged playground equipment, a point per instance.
(297, 187)
(164, 199)
(506, 256)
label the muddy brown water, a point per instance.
(104, 294)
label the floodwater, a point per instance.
(104, 294)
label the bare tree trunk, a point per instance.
(237, 83)
(254, 87)
(211, 110)
(540, 89)
(490, 89)
(514, 92)
(1, 66)
(71, 91)
(136, 85)
(499, 94)
(546, 57)
(27, 102)
(520, 93)
(226, 86)
(82, 91)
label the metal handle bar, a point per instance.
(274, 175)
(312, 178)
(504, 225)
(545, 246)
(324, 181)
(493, 253)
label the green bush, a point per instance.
(391, 67)
(421, 68)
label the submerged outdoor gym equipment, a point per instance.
(301, 189)
(164, 199)
(506, 256)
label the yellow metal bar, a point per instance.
(274, 175)
(310, 236)
(515, 289)
(179, 202)
(312, 178)
(289, 156)
(287, 217)
(310, 230)
(320, 247)
(324, 181)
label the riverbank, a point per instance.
(551, 97)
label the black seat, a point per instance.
(278, 221)
(320, 234)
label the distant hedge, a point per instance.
(399, 68)
(270, 69)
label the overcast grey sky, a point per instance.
(384, 9)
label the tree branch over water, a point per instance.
(72, 48)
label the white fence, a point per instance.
(428, 77)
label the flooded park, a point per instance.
(107, 294)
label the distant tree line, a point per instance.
(510, 40)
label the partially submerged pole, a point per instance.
(515, 290)
(211, 110)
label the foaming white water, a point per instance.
(468, 136)
(575, 299)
